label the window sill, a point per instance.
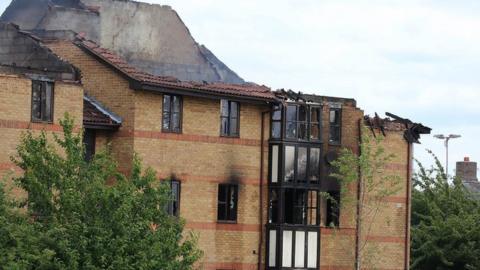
(228, 136)
(172, 132)
(42, 122)
(226, 222)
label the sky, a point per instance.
(417, 59)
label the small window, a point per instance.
(172, 114)
(335, 125)
(229, 118)
(89, 137)
(315, 114)
(42, 101)
(276, 122)
(174, 203)
(330, 209)
(227, 203)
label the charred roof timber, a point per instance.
(412, 131)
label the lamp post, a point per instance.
(446, 139)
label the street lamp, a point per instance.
(446, 139)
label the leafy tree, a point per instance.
(445, 222)
(367, 172)
(87, 215)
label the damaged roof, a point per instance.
(95, 115)
(249, 91)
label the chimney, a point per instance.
(467, 170)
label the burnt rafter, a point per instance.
(412, 130)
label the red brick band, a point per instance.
(186, 137)
(15, 124)
(239, 227)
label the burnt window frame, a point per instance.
(171, 113)
(43, 88)
(229, 118)
(231, 216)
(296, 181)
(175, 198)
(333, 207)
(337, 126)
(307, 122)
(277, 108)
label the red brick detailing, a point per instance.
(386, 239)
(14, 124)
(211, 179)
(222, 226)
(395, 199)
(395, 166)
(341, 231)
(8, 166)
(229, 266)
(186, 137)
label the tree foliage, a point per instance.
(86, 215)
(445, 222)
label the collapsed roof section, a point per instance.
(153, 38)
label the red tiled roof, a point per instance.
(93, 116)
(245, 90)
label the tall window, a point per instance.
(89, 143)
(302, 164)
(229, 118)
(276, 122)
(335, 125)
(172, 114)
(42, 101)
(227, 203)
(302, 122)
(174, 203)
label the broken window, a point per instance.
(89, 137)
(330, 209)
(172, 113)
(42, 101)
(276, 132)
(335, 125)
(300, 206)
(174, 203)
(273, 206)
(229, 118)
(302, 164)
(227, 203)
(296, 122)
(315, 116)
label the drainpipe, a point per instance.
(359, 212)
(408, 205)
(260, 212)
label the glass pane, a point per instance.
(302, 131)
(176, 121)
(276, 129)
(224, 107)
(289, 163)
(48, 102)
(315, 114)
(299, 249)
(312, 250)
(291, 113)
(234, 109)
(224, 126)
(233, 126)
(314, 166)
(36, 100)
(272, 248)
(291, 130)
(334, 134)
(273, 205)
(287, 249)
(288, 205)
(176, 104)
(166, 103)
(315, 132)
(277, 113)
(300, 213)
(274, 172)
(302, 164)
(166, 120)
(312, 207)
(302, 113)
(335, 116)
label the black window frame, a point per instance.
(171, 113)
(273, 121)
(89, 142)
(229, 118)
(307, 182)
(307, 122)
(230, 213)
(333, 125)
(43, 117)
(173, 207)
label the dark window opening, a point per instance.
(42, 101)
(89, 137)
(227, 203)
(229, 118)
(315, 116)
(302, 164)
(335, 125)
(300, 206)
(174, 203)
(333, 209)
(273, 206)
(302, 122)
(276, 122)
(172, 114)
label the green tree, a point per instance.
(445, 222)
(87, 215)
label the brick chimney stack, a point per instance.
(467, 170)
